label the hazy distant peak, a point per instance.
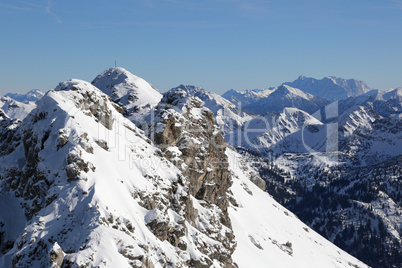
(330, 87)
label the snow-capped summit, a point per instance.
(287, 96)
(330, 88)
(133, 93)
(32, 96)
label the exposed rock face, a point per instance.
(9, 134)
(56, 256)
(187, 135)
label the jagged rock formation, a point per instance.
(187, 135)
(228, 117)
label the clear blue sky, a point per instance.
(216, 44)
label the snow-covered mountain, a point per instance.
(81, 185)
(135, 95)
(32, 96)
(16, 109)
(286, 96)
(330, 88)
(247, 97)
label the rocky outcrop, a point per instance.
(186, 133)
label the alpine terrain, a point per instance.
(115, 174)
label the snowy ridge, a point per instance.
(16, 109)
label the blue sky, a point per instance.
(216, 44)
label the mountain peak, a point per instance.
(131, 92)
